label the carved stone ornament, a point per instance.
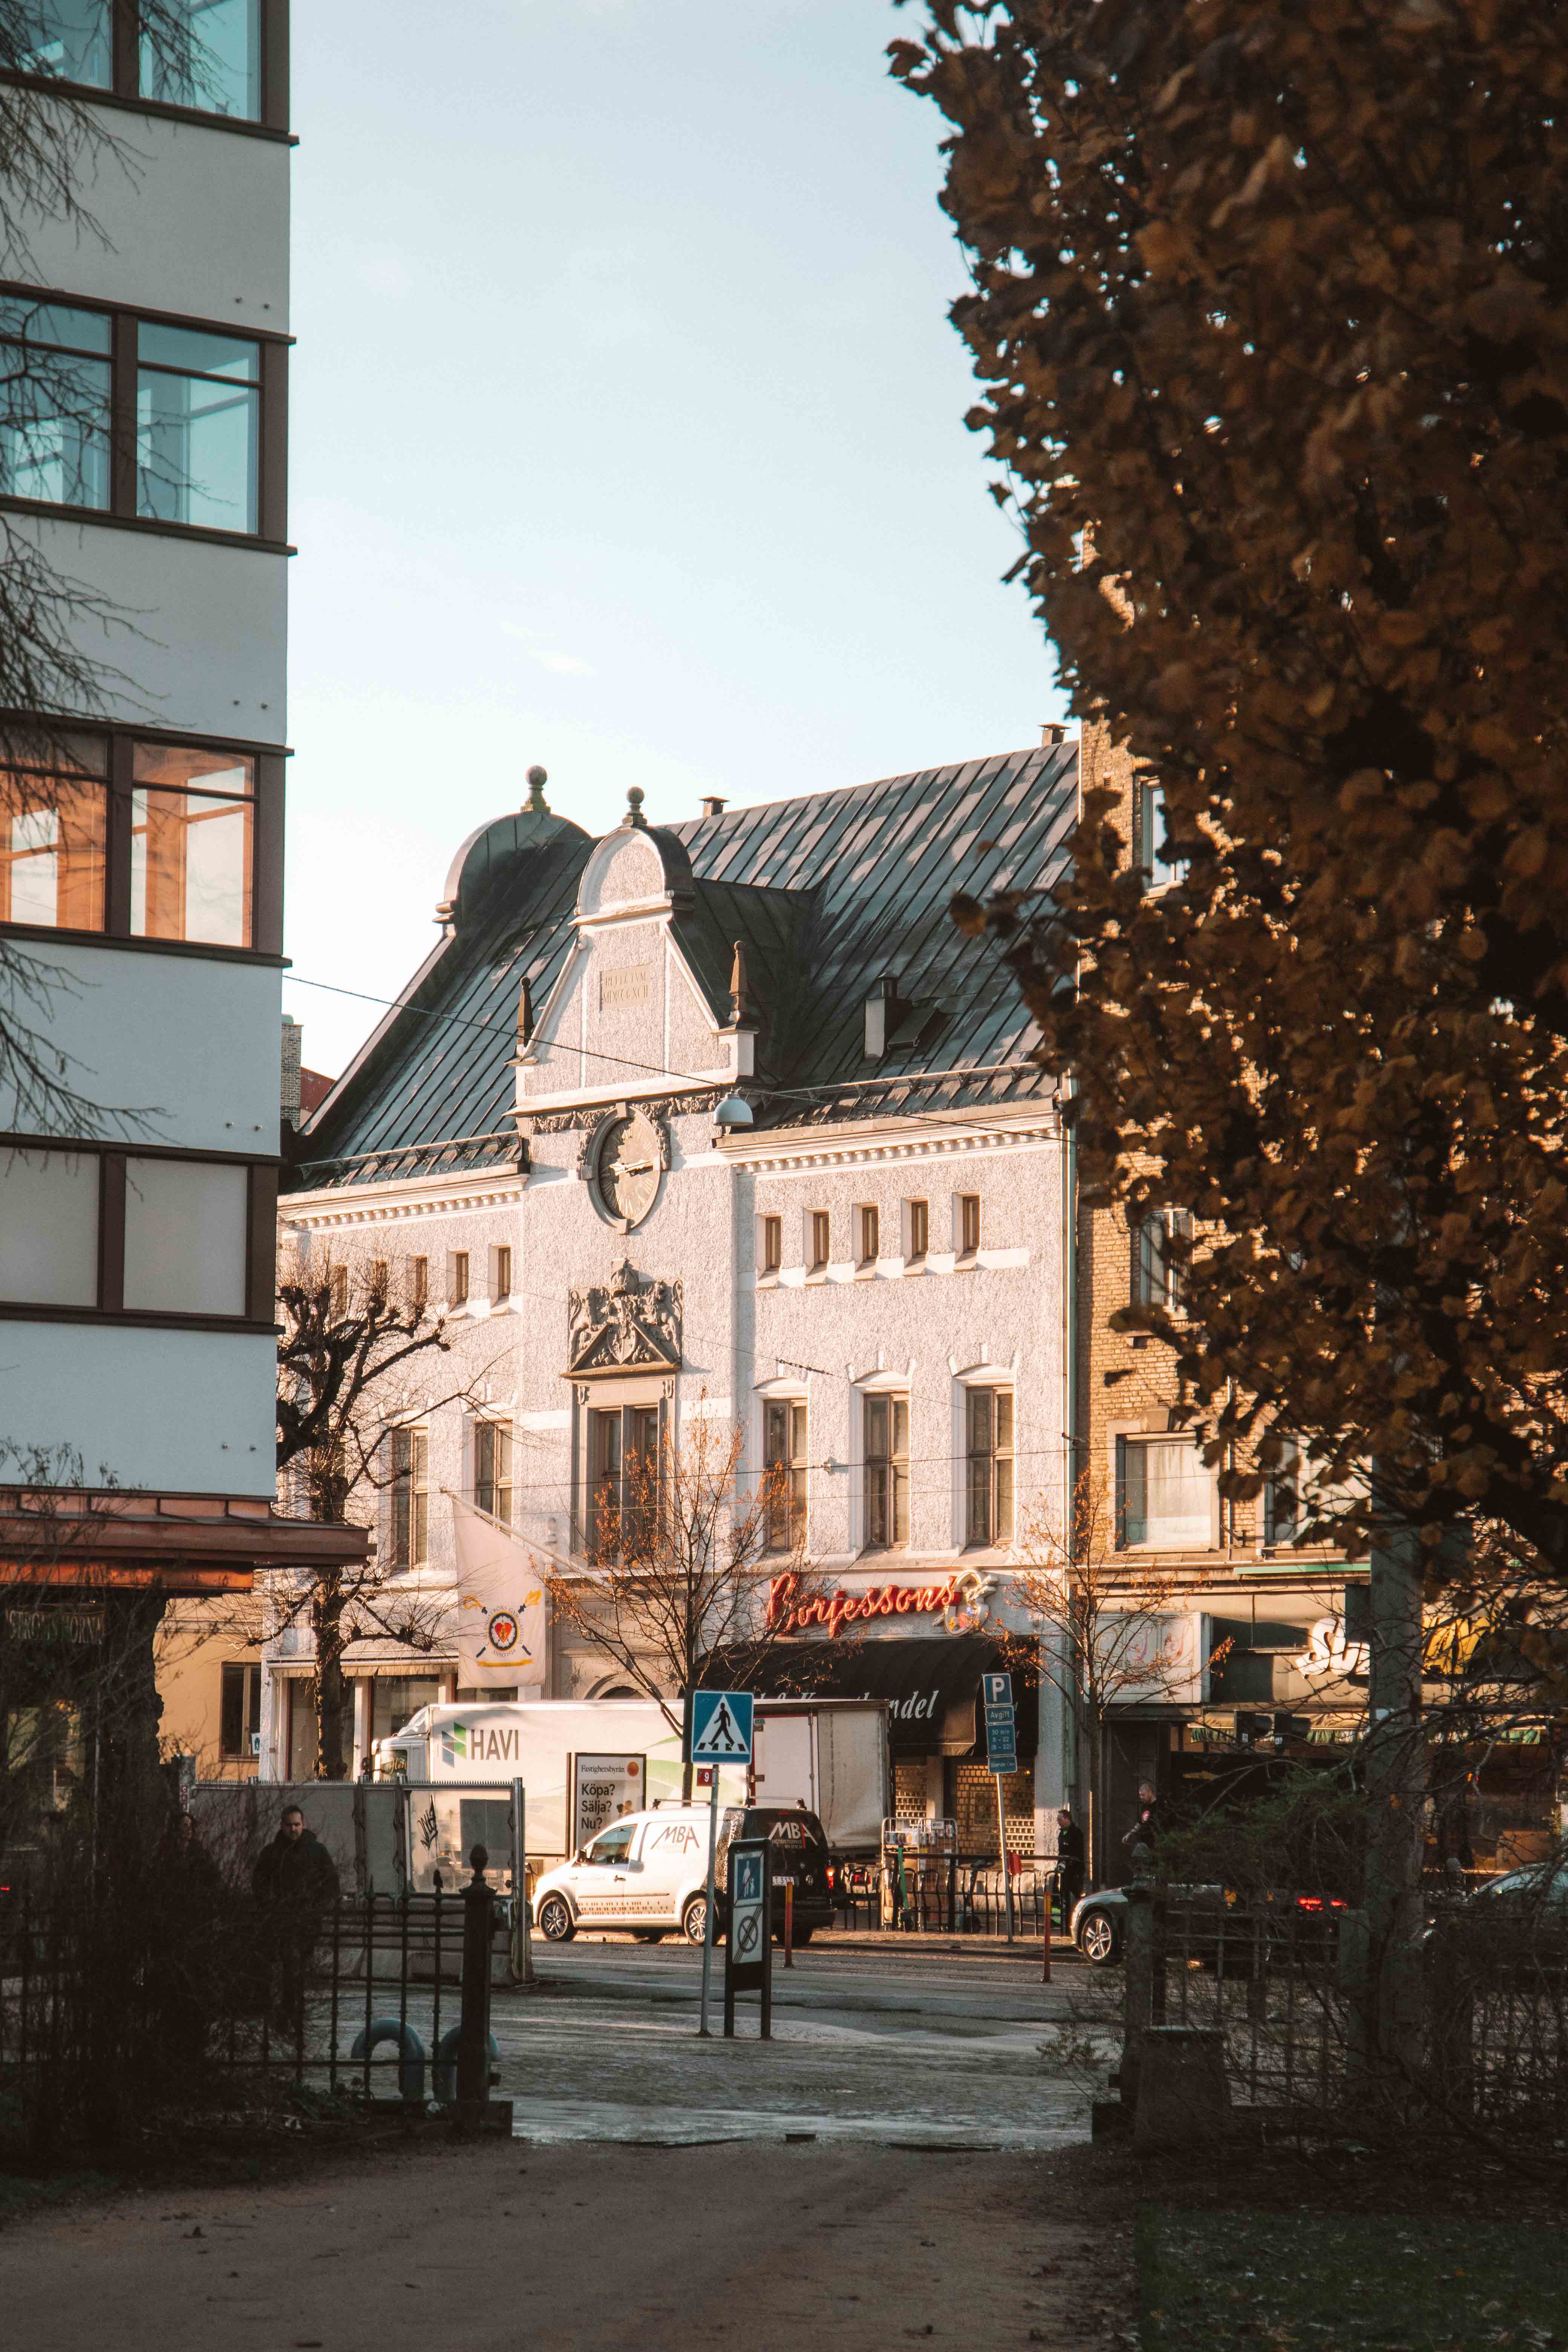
(633, 1326)
(665, 1106)
(622, 1159)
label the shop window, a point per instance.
(988, 1418)
(240, 1711)
(785, 1457)
(410, 1529)
(394, 1699)
(1164, 1495)
(492, 1468)
(887, 1436)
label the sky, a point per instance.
(626, 437)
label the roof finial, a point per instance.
(536, 805)
(740, 1001)
(634, 815)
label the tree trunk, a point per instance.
(331, 1691)
(1389, 2039)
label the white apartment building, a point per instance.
(866, 1278)
(142, 855)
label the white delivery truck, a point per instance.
(585, 1762)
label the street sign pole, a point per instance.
(707, 1923)
(1001, 1758)
(1001, 1849)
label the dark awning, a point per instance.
(932, 1687)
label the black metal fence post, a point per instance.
(474, 2028)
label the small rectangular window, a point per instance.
(204, 54)
(492, 1469)
(821, 1239)
(772, 1244)
(192, 836)
(919, 1232)
(72, 39)
(410, 1497)
(419, 1281)
(1152, 850)
(458, 1288)
(240, 1711)
(783, 1457)
(988, 1415)
(338, 1292)
(1164, 1494)
(48, 1227)
(52, 837)
(968, 1225)
(503, 1273)
(378, 1279)
(198, 427)
(887, 1433)
(870, 1239)
(1161, 1244)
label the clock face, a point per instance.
(628, 1171)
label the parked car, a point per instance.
(647, 1872)
(1205, 1923)
(1520, 1918)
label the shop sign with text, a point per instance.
(960, 1602)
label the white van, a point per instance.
(647, 1872)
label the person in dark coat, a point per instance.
(190, 1903)
(295, 1882)
(1145, 1830)
(1069, 1861)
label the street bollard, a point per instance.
(1138, 1971)
(474, 2030)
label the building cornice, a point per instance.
(408, 1196)
(890, 1136)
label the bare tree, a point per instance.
(680, 1556)
(348, 1342)
(1101, 1616)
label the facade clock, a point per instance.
(626, 1156)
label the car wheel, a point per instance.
(1097, 1939)
(802, 1937)
(694, 1921)
(649, 1935)
(555, 1922)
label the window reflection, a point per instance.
(53, 403)
(191, 851)
(70, 38)
(197, 427)
(205, 54)
(52, 841)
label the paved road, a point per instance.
(868, 2047)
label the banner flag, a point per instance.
(501, 1602)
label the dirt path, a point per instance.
(572, 2248)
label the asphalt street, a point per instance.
(929, 2049)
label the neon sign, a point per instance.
(959, 1600)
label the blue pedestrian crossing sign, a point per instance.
(721, 1726)
(1001, 1724)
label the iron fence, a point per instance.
(917, 1892)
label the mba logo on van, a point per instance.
(478, 1743)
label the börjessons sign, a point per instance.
(960, 1601)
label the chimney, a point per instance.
(712, 805)
(1051, 734)
(288, 1102)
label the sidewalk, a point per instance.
(1064, 1953)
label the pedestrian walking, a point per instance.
(1069, 1861)
(1145, 1830)
(295, 1882)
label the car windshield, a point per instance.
(613, 1845)
(1538, 1884)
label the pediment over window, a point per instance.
(631, 1323)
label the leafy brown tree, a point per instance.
(1269, 314)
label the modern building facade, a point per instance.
(865, 1275)
(142, 851)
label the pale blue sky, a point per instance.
(627, 436)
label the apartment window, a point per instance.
(988, 1435)
(180, 867)
(968, 1225)
(492, 1468)
(623, 1480)
(869, 1236)
(458, 1288)
(1164, 1495)
(204, 54)
(772, 1244)
(192, 834)
(56, 409)
(1298, 1493)
(111, 1231)
(501, 1287)
(410, 1497)
(886, 1435)
(821, 1240)
(378, 1279)
(239, 1710)
(337, 1291)
(1148, 847)
(919, 1232)
(78, 387)
(419, 1281)
(784, 1456)
(1158, 1268)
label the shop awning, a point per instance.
(932, 1687)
